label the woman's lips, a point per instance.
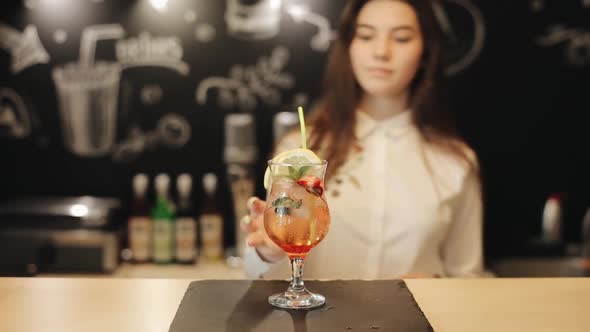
(380, 72)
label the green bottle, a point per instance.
(163, 217)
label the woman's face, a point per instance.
(387, 47)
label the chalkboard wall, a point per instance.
(164, 74)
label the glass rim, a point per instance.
(274, 163)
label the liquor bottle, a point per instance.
(553, 219)
(163, 219)
(211, 220)
(139, 226)
(186, 225)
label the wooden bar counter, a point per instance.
(146, 305)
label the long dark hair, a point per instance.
(334, 118)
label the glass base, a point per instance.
(297, 299)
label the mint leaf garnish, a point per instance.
(280, 201)
(293, 173)
(297, 173)
(287, 202)
(303, 170)
(283, 205)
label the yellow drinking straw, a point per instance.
(302, 126)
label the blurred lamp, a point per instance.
(79, 210)
(159, 5)
(275, 4)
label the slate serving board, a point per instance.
(215, 305)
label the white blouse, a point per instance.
(398, 205)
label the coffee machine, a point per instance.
(60, 235)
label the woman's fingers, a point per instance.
(255, 206)
(253, 224)
(250, 203)
(245, 223)
(253, 220)
(255, 239)
(267, 250)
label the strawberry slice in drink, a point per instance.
(312, 184)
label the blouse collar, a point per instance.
(395, 125)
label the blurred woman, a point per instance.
(402, 186)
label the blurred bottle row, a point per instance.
(167, 231)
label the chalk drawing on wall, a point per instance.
(151, 94)
(261, 19)
(88, 93)
(253, 21)
(136, 142)
(539, 5)
(463, 45)
(172, 131)
(576, 43)
(146, 50)
(24, 47)
(60, 36)
(205, 33)
(15, 121)
(88, 89)
(321, 41)
(245, 85)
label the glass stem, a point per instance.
(297, 274)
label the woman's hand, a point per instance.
(253, 225)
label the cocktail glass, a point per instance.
(297, 218)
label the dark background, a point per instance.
(522, 107)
